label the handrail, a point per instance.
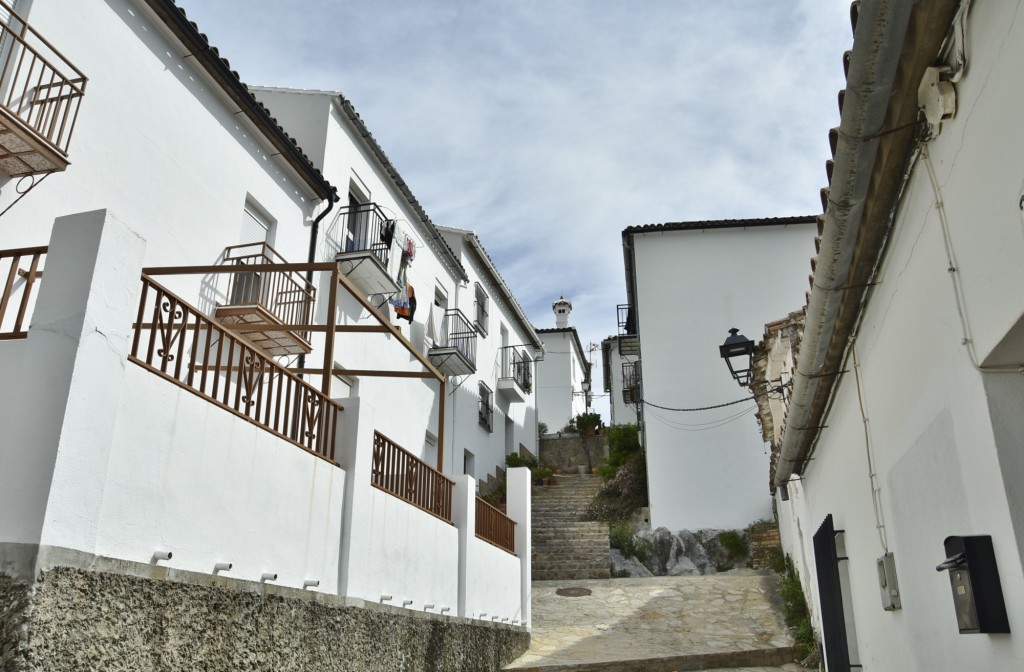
(398, 472)
(19, 283)
(286, 295)
(626, 319)
(516, 364)
(35, 88)
(368, 229)
(495, 527)
(631, 378)
(457, 332)
(189, 349)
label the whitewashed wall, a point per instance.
(946, 437)
(560, 379)
(621, 412)
(691, 287)
(155, 144)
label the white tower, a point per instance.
(562, 308)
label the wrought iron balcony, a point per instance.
(269, 305)
(516, 380)
(629, 344)
(40, 94)
(631, 393)
(454, 352)
(366, 236)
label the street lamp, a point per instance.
(738, 353)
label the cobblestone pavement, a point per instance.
(664, 623)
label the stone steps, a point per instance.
(565, 547)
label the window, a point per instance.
(486, 408)
(481, 309)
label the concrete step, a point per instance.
(777, 659)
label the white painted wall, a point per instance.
(621, 412)
(156, 145)
(560, 377)
(491, 577)
(945, 437)
(691, 287)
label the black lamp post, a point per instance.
(738, 353)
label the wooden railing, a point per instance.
(180, 344)
(18, 282)
(495, 527)
(400, 473)
(39, 86)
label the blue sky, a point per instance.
(548, 126)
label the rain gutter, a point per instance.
(896, 41)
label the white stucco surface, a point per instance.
(709, 468)
(944, 436)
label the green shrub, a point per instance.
(623, 494)
(734, 544)
(623, 444)
(794, 606)
(514, 460)
(542, 428)
(622, 537)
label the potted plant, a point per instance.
(587, 423)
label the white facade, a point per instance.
(622, 376)
(922, 438)
(563, 378)
(688, 285)
(172, 161)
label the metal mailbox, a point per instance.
(974, 578)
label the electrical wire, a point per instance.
(767, 393)
(714, 425)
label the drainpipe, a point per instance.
(313, 233)
(873, 64)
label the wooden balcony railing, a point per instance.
(19, 270)
(180, 344)
(40, 90)
(495, 527)
(400, 473)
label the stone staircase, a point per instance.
(565, 547)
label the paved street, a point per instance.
(661, 623)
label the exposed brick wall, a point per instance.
(764, 542)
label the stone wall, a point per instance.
(76, 620)
(569, 451)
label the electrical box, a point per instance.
(974, 578)
(887, 585)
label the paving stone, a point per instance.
(660, 624)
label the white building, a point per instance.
(620, 358)
(177, 394)
(903, 435)
(563, 375)
(688, 283)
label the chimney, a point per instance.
(562, 308)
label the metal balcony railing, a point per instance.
(368, 229)
(40, 91)
(286, 295)
(494, 527)
(181, 345)
(457, 332)
(517, 365)
(398, 472)
(626, 320)
(19, 270)
(631, 382)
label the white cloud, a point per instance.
(548, 127)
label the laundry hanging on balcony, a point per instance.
(408, 311)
